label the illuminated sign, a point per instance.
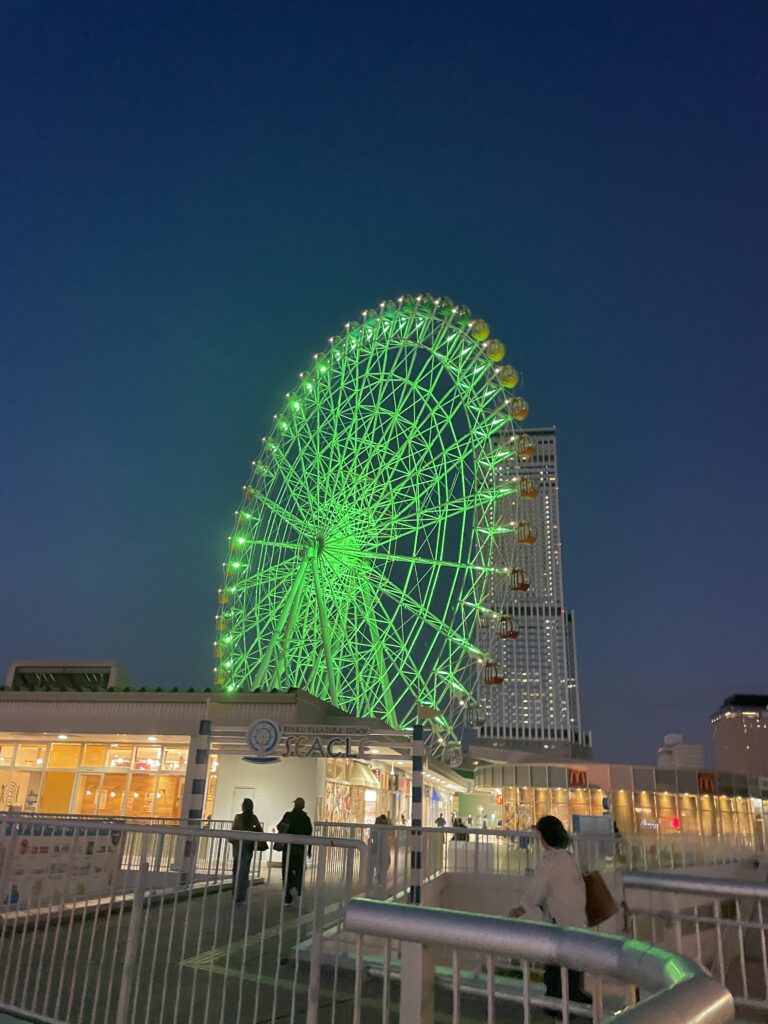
(706, 783)
(271, 742)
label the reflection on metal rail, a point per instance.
(675, 988)
(721, 923)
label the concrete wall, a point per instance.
(272, 787)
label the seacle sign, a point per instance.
(271, 742)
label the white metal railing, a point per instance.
(720, 923)
(504, 853)
(458, 963)
(133, 923)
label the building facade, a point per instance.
(638, 800)
(66, 749)
(676, 754)
(537, 705)
(740, 734)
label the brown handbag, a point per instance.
(600, 902)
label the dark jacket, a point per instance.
(296, 823)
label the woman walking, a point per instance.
(557, 888)
(242, 850)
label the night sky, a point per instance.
(194, 196)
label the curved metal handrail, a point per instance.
(684, 993)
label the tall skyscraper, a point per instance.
(537, 705)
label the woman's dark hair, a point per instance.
(249, 818)
(553, 832)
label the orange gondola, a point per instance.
(527, 488)
(509, 628)
(493, 676)
(519, 579)
(526, 446)
(525, 534)
(518, 409)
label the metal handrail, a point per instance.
(695, 884)
(186, 831)
(685, 994)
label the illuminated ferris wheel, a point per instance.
(374, 560)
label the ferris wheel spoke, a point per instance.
(403, 399)
(426, 469)
(329, 666)
(282, 632)
(398, 650)
(436, 563)
(295, 481)
(280, 512)
(378, 649)
(393, 650)
(280, 545)
(400, 595)
(416, 522)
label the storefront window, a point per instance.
(57, 793)
(24, 789)
(596, 797)
(119, 757)
(175, 759)
(645, 812)
(141, 796)
(727, 823)
(147, 759)
(30, 756)
(112, 796)
(580, 801)
(689, 815)
(64, 755)
(53, 778)
(707, 811)
(525, 809)
(5, 778)
(88, 794)
(94, 755)
(170, 790)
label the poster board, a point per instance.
(46, 864)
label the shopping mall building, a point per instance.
(76, 739)
(588, 795)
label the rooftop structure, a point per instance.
(740, 734)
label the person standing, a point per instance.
(557, 888)
(294, 823)
(242, 850)
(440, 821)
(380, 855)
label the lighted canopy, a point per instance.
(368, 547)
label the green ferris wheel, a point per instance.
(374, 557)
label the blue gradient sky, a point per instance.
(194, 196)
